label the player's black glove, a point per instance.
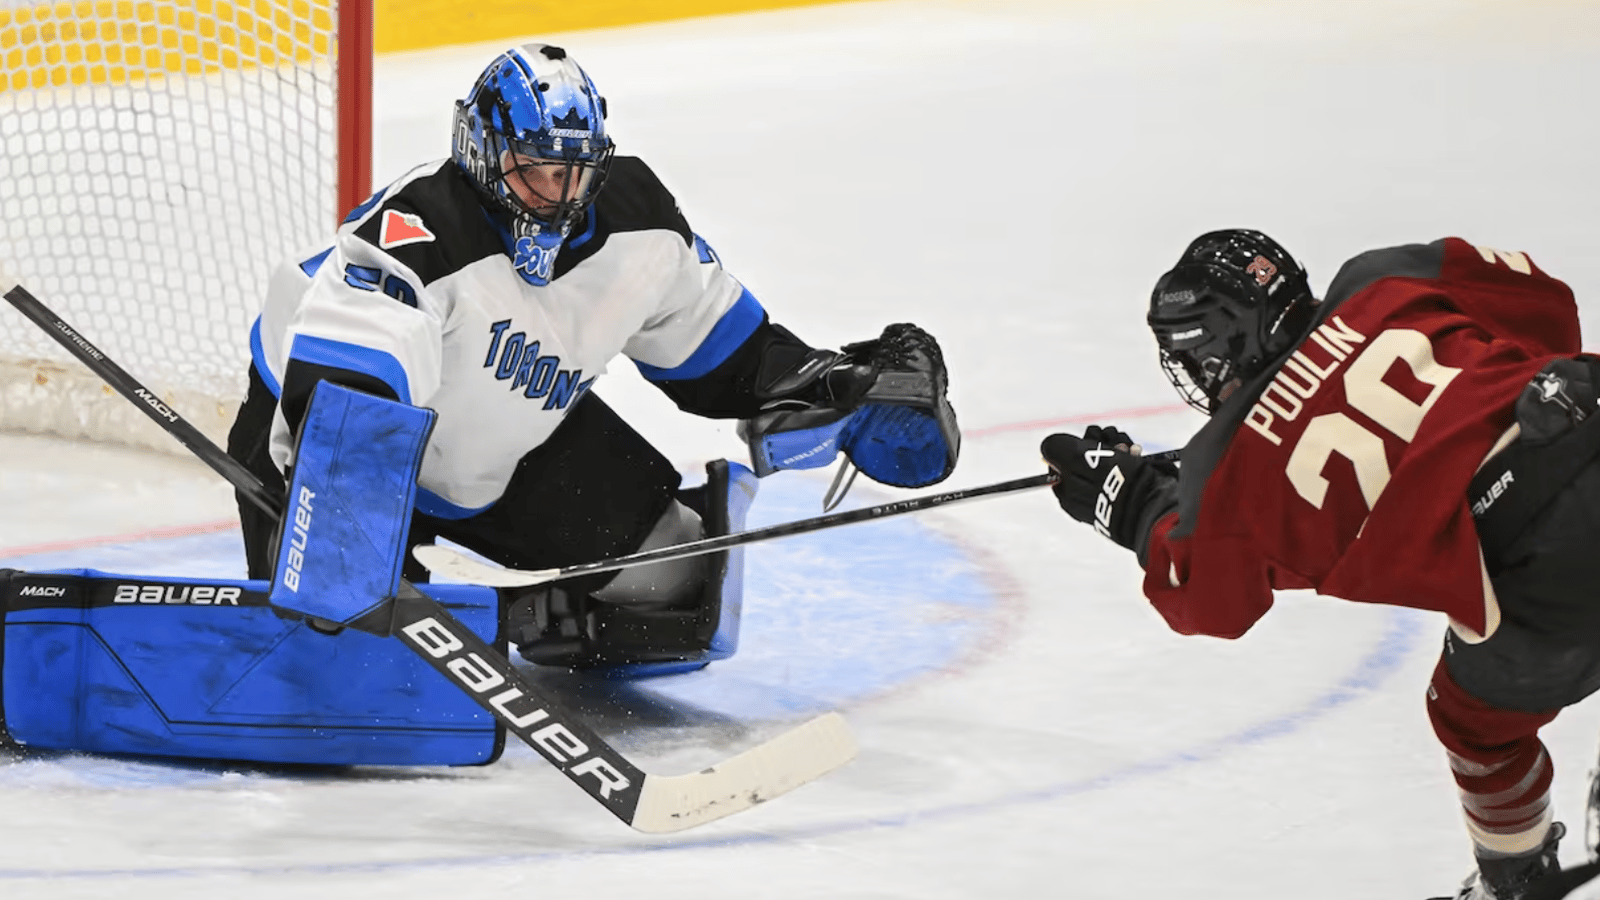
(1104, 482)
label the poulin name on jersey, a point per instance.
(1300, 377)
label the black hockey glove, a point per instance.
(902, 366)
(1104, 482)
(882, 402)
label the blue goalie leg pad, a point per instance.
(730, 490)
(176, 667)
(350, 502)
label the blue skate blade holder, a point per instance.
(349, 508)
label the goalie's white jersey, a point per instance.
(421, 292)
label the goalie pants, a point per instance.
(594, 490)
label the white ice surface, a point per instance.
(1011, 176)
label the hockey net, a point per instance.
(157, 159)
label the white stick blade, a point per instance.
(676, 802)
(7, 280)
(446, 561)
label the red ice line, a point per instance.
(146, 535)
(1113, 415)
(1109, 416)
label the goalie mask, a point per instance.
(1234, 304)
(531, 136)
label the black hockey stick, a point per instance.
(649, 803)
(458, 565)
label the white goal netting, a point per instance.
(156, 160)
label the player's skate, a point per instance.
(1510, 878)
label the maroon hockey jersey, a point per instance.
(1345, 467)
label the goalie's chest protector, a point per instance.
(514, 358)
(460, 330)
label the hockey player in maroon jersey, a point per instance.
(1421, 437)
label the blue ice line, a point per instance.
(1402, 631)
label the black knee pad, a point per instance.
(557, 625)
(1521, 669)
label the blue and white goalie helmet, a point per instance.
(531, 136)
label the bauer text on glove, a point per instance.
(1105, 485)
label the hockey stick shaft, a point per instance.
(140, 396)
(445, 560)
(645, 802)
(448, 561)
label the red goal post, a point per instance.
(157, 159)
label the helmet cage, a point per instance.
(1198, 383)
(583, 174)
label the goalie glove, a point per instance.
(1107, 484)
(881, 402)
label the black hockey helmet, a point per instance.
(1235, 302)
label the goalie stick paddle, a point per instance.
(648, 803)
(462, 567)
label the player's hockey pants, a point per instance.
(1541, 543)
